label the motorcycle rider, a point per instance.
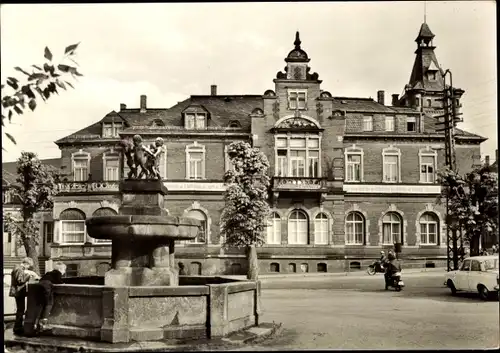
(391, 267)
(383, 260)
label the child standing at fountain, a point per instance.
(20, 276)
(46, 296)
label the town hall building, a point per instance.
(349, 176)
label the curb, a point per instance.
(253, 334)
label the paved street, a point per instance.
(357, 313)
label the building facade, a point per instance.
(349, 176)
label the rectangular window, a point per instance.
(429, 103)
(353, 167)
(368, 123)
(298, 163)
(111, 169)
(297, 99)
(200, 121)
(389, 123)
(73, 231)
(48, 231)
(427, 170)
(297, 157)
(411, 124)
(107, 130)
(282, 163)
(80, 169)
(190, 121)
(195, 165)
(391, 169)
(112, 129)
(312, 163)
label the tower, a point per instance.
(426, 84)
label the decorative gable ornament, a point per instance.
(296, 123)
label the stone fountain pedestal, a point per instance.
(142, 298)
(143, 236)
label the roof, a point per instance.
(9, 169)
(359, 104)
(425, 32)
(223, 110)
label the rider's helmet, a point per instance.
(382, 252)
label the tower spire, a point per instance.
(297, 40)
(425, 11)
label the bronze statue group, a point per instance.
(139, 156)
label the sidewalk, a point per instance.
(360, 273)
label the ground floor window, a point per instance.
(297, 228)
(391, 228)
(429, 229)
(355, 228)
(73, 226)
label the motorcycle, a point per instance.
(374, 268)
(395, 282)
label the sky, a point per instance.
(171, 51)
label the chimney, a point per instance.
(380, 97)
(395, 98)
(487, 160)
(123, 106)
(213, 90)
(143, 103)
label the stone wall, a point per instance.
(213, 308)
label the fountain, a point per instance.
(142, 297)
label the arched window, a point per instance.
(321, 229)
(391, 228)
(355, 228)
(274, 229)
(429, 229)
(202, 234)
(73, 226)
(297, 228)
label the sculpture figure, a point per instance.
(154, 153)
(147, 158)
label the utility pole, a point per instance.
(449, 121)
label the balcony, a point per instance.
(100, 187)
(298, 184)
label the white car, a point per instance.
(477, 273)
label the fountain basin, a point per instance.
(201, 307)
(142, 226)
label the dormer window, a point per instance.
(234, 125)
(411, 124)
(195, 121)
(157, 122)
(431, 75)
(112, 129)
(297, 99)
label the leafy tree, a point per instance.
(34, 188)
(243, 221)
(43, 80)
(473, 202)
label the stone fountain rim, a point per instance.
(142, 219)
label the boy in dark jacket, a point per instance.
(20, 276)
(46, 295)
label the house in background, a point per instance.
(13, 251)
(350, 175)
